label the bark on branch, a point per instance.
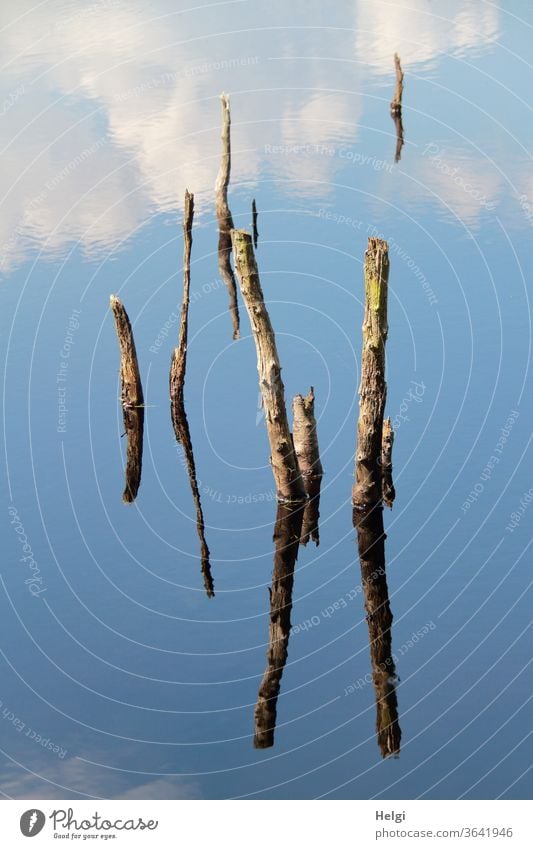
(283, 457)
(373, 482)
(396, 102)
(132, 399)
(177, 402)
(224, 217)
(373, 389)
(388, 491)
(308, 454)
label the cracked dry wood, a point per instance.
(396, 102)
(387, 485)
(367, 489)
(132, 399)
(177, 401)
(307, 451)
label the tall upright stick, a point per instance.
(396, 108)
(224, 217)
(373, 481)
(373, 389)
(283, 457)
(177, 401)
(396, 102)
(179, 357)
(132, 399)
(308, 454)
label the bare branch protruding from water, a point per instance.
(283, 457)
(224, 217)
(372, 477)
(177, 402)
(373, 389)
(396, 108)
(132, 400)
(396, 102)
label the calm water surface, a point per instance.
(120, 678)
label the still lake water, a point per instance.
(120, 678)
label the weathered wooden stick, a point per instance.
(132, 399)
(373, 481)
(255, 231)
(287, 532)
(177, 402)
(283, 458)
(179, 358)
(373, 389)
(308, 454)
(225, 220)
(396, 102)
(183, 436)
(371, 543)
(387, 485)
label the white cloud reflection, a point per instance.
(110, 112)
(63, 779)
